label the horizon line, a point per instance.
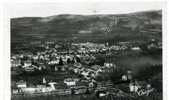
(90, 14)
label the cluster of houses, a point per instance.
(76, 61)
(67, 87)
(90, 72)
(52, 55)
(102, 48)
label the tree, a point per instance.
(68, 61)
(60, 61)
(100, 61)
(115, 76)
(73, 61)
(77, 59)
(148, 72)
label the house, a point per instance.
(43, 88)
(136, 48)
(129, 74)
(29, 55)
(79, 89)
(30, 68)
(92, 74)
(15, 91)
(76, 70)
(134, 87)
(115, 47)
(123, 47)
(41, 66)
(35, 57)
(44, 80)
(29, 90)
(27, 63)
(85, 73)
(124, 78)
(56, 68)
(53, 62)
(93, 50)
(41, 57)
(91, 84)
(70, 81)
(70, 68)
(63, 91)
(57, 46)
(79, 65)
(63, 68)
(52, 85)
(15, 62)
(109, 65)
(98, 71)
(21, 84)
(64, 59)
(101, 92)
(95, 67)
(40, 88)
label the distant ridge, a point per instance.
(101, 27)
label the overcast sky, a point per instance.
(49, 9)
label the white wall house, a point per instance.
(135, 48)
(15, 62)
(124, 77)
(27, 64)
(134, 87)
(21, 84)
(70, 82)
(52, 85)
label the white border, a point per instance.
(5, 44)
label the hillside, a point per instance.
(124, 27)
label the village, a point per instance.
(74, 69)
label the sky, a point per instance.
(49, 9)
